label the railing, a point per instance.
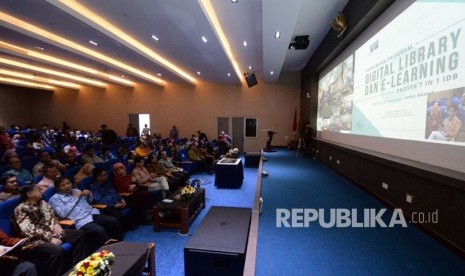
(251, 255)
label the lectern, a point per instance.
(268, 139)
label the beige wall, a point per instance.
(189, 107)
(18, 105)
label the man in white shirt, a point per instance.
(145, 130)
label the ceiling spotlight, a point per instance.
(155, 38)
(250, 67)
(158, 74)
(93, 42)
(244, 43)
(39, 48)
(204, 39)
(234, 1)
(122, 76)
(277, 34)
(229, 74)
(198, 72)
(271, 72)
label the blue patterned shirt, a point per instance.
(62, 204)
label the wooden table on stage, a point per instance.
(178, 214)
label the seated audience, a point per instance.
(130, 158)
(168, 164)
(149, 181)
(16, 168)
(9, 183)
(227, 137)
(223, 145)
(123, 150)
(122, 181)
(74, 204)
(71, 147)
(196, 154)
(450, 127)
(201, 136)
(37, 222)
(435, 117)
(174, 181)
(50, 175)
(11, 263)
(39, 143)
(142, 150)
(29, 150)
(48, 135)
(172, 152)
(15, 140)
(104, 193)
(44, 159)
(89, 156)
(85, 171)
(106, 155)
(6, 146)
(70, 160)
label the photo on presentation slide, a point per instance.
(445, 120)
(335, 98)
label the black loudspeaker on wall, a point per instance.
(251, 79)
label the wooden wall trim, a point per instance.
(444, 176)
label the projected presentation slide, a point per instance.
(406, 82)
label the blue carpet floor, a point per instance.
(298, 182)
(169, 245)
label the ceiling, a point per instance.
(179, 26)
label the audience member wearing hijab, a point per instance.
(142, 199)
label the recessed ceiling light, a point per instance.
(158, 74)
(234, 1)
(250, 67)
(198, 72)
(63, 42)
(47, 71)
(209, 11)
(277, 34)
(229, 74)
(244, 43)
(93, 42)
(204, 39)
(271, 72)
(17, 82)
(33, 77)
(16, 50)
(39, 48)
(155, 37)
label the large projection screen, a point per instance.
(399, 88)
